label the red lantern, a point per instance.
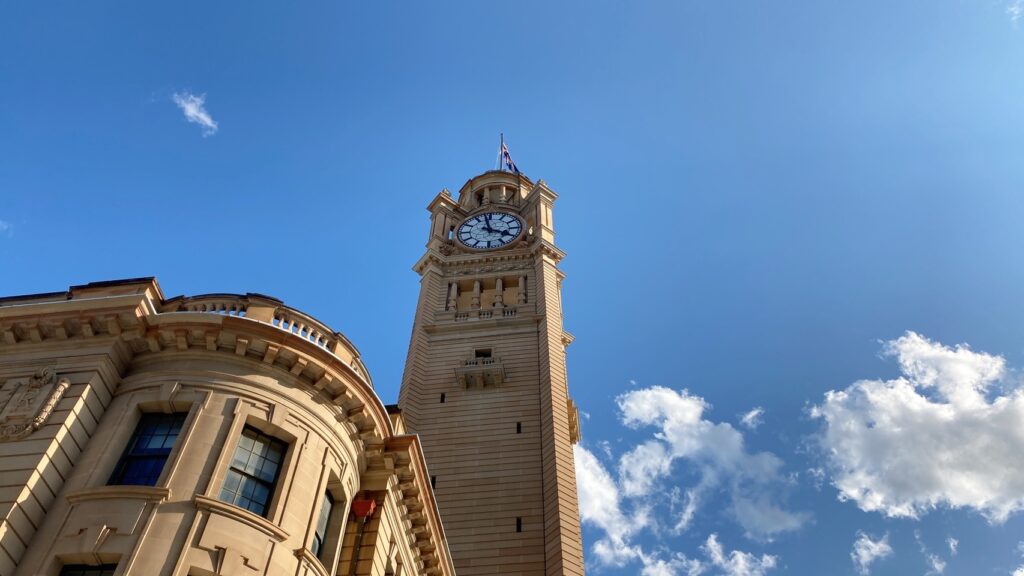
(363, 508)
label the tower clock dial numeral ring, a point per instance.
(489, 230)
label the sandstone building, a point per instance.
(233, 435)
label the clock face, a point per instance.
(489, 230)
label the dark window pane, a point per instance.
(144, 458)
(232, 481)
(81, 570)
(321, 523)
(253, 473)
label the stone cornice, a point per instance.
(519, 257)
(541, 190)
(567, 338)
(134, 321)
(477, 325)
(545, 248)
(418, 504)
(495, 176)
(444, 201)
(104, 303)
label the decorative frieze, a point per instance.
(26, 403)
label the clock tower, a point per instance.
(485, 381)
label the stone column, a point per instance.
(499, 297)
(453, 296)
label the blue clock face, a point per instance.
(489, 230)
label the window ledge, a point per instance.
(308, 559)
(242, 515)
(148, 493)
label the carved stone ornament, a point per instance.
(26, 403)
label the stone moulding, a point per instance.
(260, 523)
(147, 493)
(310, 561)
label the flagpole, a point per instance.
(501, 150)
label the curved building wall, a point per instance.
(194, 438)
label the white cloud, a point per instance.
(1019, 571)
(751, 420)
(600, 506)
(936, 436)
(1015, 9)
(640, 468)
(817, 475)
(867, 550)
(193, 106)
(737, 563)
(938, 565)
(677, 566)
(953, 544)
(714, 451)
(689, 505)
(641, 493)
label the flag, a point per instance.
(506, 159)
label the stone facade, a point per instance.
(90, 380)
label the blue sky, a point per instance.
(796, 207)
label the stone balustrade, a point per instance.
(274, 312)
(482, 313)
(480, 372)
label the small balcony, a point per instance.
(480, 373)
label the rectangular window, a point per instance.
(82, 570)
(253, 473)
(321, 524)
(144, 458)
